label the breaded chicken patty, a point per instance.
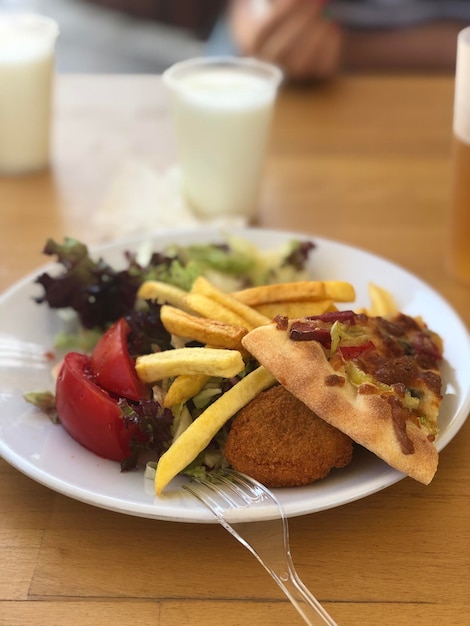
(277, 440)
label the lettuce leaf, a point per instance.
(101, 294)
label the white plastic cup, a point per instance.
(222, 110)
(459, 239)
(27, 53)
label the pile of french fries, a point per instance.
(219, 321)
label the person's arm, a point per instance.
(426, 47)
(298, 36)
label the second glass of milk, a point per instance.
(27, 47)
(223, 109)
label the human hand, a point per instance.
(293, 34)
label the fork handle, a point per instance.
(303, 600)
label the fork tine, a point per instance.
(257, 491)
(14, 353)
(15, 361)
(203, 498)
(230, 481)
(215, 489)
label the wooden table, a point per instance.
(363, 160)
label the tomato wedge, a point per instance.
(113, 367)
(88, 413)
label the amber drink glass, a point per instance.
(459, 240)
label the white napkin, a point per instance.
(142, 200)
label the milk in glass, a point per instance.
(223, 110)
(27, 45)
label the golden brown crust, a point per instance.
(277, 440)
(302, 368)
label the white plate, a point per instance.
(43, 451)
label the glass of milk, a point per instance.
(27, 46)
(222, 109)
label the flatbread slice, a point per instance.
(375, 379)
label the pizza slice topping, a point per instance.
(394, 358)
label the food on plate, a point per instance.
(186, 368)
(201, 431)
(376, 379)
(89, 413)
(211, 309)
(202, 329)
(100, 294)
(162, 293)
(193, 444)
(211, 361)
(381, 301)
(300, 291)
(109, 315)
(277, 440)
(295, 309)
(103, 405)
(183, 388)
(249, 317)
(112, 366)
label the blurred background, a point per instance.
(126, 36)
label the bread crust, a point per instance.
(301, 367)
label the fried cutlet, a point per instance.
(277, 440)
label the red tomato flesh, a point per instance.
(113, 367)
(88, 413)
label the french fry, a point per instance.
(296, 309)
(339, 291)
(184, 387)
(302, 291)
(199, 434)
(252, 318)
(213, 310)
(210, 361)
(162, 292)
(382, 301)
(204, 330)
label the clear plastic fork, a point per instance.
(224, 493)
(17, 353)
